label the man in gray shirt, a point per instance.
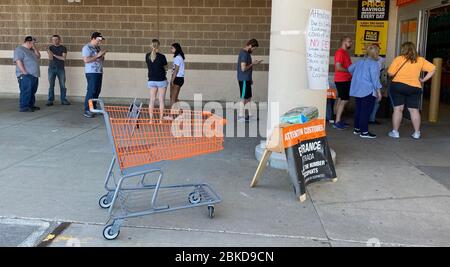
(245, 76)
(57, 54)
(93, 57)
(26, 58)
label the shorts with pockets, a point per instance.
(407, 95)
(343, 89)
(246, 89)
(157, 84)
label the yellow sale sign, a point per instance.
(370, 32)
(372, 25)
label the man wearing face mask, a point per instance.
(93, 57)
(26, 57)
(245, 77)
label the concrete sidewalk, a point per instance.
(53, 162)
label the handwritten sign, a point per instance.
(318, 40)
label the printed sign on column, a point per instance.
(372, 25)
(309, 155)
(318, 38)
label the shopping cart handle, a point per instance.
(91, 105)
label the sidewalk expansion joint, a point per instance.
(54, 234)
(382, 199)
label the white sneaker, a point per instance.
(417, 135)
(243, 119)
(394, 134)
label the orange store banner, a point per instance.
(404, 2)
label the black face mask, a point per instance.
(250, 51)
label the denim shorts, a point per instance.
(161, 84)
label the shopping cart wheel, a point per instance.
(104, 202)
(108, 233)
(195, 198)
(211, 212)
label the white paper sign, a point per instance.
(318, 41)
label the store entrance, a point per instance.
(438, 46)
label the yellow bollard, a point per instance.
(436, 91)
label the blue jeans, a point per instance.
(330, 109)
(364, 108)
(52, 74)
(28, 85)
(94, 88)
(373, 117)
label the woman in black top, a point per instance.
(157, 80)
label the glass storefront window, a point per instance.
(408, 31)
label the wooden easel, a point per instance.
(274, 145)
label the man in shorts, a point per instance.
(343, 80)
(245, 76)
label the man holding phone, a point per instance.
(26, 58)
(245, 77)
(93, 57)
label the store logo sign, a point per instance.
(404, 2)
(372, 36)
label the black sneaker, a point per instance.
(357, 132)
(368, 135)
(49, 104)
(89, 115)
(66, 103)
(36, 108)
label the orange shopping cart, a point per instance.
(141, 143)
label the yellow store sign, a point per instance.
(371, 32)
(372, 25)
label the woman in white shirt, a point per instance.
(177, 80)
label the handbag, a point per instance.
(389, 83)
(390, 79)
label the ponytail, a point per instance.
(155, 47)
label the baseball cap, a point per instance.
(96, 35)
(30, 39)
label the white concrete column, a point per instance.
(288, 74)
(288, 83)
(392, 33)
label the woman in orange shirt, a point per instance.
(406, 87)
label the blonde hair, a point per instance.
(409, 51)
(155, 46)
(373, 52)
